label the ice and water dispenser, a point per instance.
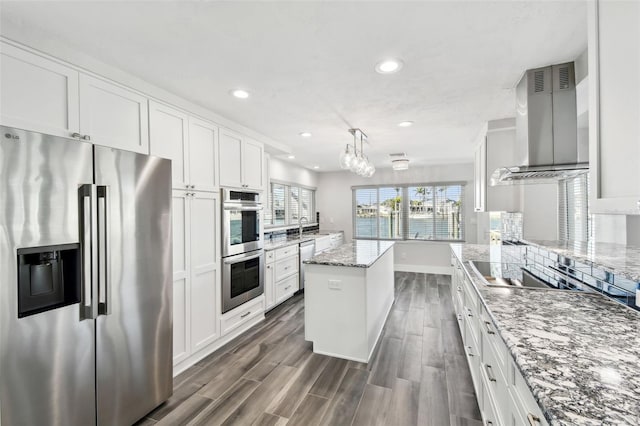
(48, 278)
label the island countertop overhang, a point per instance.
(356, 254)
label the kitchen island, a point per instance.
(349, 292)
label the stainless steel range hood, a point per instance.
(548, 146)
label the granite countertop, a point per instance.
(358, 254)
(579, 353)
(279, 242)
(617, 258)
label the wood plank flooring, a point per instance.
(270, 376)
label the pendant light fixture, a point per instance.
(354, 159)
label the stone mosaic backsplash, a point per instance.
(558, 269)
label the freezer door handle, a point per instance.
(88, 231)
(104, 254)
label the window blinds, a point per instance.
(425, 212)
(573, 209)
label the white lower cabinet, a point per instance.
(241, 315)
(196, 288)
(503, 396)
(281, 279)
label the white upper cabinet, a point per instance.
(113, 116)
(231, 151)
(497, 149)
(253, 164)
(169, 139)
(37, 94)
(614, 106)
(190, 144)
(203, 151)
(243, 161)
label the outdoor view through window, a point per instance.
(419, 212)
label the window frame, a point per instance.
(406, 210)
(288, 214)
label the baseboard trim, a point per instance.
(425, 269)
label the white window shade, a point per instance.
(573, 209)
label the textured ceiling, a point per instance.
(309, 66)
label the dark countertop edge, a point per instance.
(351, 265)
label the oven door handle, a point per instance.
(242, 259)
(242, 207)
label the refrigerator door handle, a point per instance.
(88, 225)
(104, 289)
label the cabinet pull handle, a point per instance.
(489, 423)
(490, 375)
(76, 135)
(459, 288)
(489, 329)
(533, 419)
(470, 353)
(469, 313)
(287, 287)
(245, 315)
(86, 137)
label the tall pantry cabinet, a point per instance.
(191, 144)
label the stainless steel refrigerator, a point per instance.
(85, 282)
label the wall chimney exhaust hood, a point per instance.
(548, 146)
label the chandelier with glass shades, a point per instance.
(354, 159)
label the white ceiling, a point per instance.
(309, 66)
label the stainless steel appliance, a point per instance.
(242, 278)
(241, 222)
(85, 282)
(242, 242)
(550, 145)
(307, 250)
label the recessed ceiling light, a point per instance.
(240, 94)
(291, 157)
(316, 167)
(405, 124)
(389, 66)
(305, 134)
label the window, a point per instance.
(573, 209)
(413, 212)
(287, 203)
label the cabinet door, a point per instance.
(480, 181)
(203, 155)
(204, 269)
(269, 287)
(113, 116)
(37, 94)
(230, 148)
(253, 164)
(169, 139)
(181, 277)
(614, 106)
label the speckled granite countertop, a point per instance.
(358, 254)
(579, 353)
(284, 242)
(617, 258)
(279, 242)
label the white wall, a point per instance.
(334, 202)
(540, 211)
(288, 172)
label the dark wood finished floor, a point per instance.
(270, 376)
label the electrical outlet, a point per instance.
(335, 284)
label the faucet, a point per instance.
(300, 223)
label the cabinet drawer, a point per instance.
(526, 406)
(242, 314)
(284, 252)
(496, 381)
(269, 256)
(286, 267)
(493, 340)
(286, 287)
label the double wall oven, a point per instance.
(242, 248)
